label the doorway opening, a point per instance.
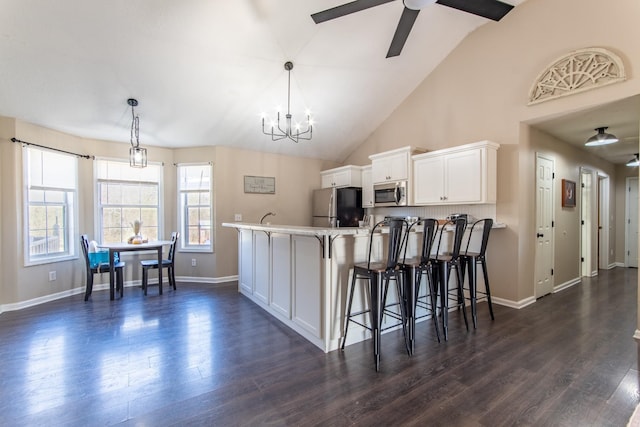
(587, 264)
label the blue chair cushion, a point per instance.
(153, 263)
(104, 266)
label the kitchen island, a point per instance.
(300, 275)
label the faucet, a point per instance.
(266, 215)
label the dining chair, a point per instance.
(100, 267)
(168, 263)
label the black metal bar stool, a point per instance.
(471, 260)
(378, 276)
(443, 263)
(414, 269)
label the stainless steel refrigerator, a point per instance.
(337, 207)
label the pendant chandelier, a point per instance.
(294, 132)
(137, 154)
(601, 138)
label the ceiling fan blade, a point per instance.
(402, 31)
(346, 9)
(490, 9)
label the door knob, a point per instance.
(539, 235)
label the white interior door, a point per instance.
(586, 180)
(604, 250)
(544, 229)
(631, 222)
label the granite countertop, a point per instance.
(314, 231)
(299, 229)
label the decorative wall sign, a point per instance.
(575, 72)
(260, 184)
(568, 194)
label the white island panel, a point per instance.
(245, 259)
(281, 274)
(308, 283)
(262, 265)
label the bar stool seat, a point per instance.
(378, 276)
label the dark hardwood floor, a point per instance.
(205, 355)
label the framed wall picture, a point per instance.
(568, 194)
(260, 184)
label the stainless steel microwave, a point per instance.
(390, 194)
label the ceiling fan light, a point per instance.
(417, 4)
(635, 161)
(601, 138)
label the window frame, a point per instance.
(70, 210)
(182, 215)
(98, 214)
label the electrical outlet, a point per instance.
(52, 276)
(237, 217)
(193, 262)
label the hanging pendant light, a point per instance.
(294, 133)
(137, 154)
(601, 138)
(635, 161)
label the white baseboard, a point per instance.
(567, 284)
(211, 280)
(513, 304)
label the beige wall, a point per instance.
(480, 91)
(19, 285)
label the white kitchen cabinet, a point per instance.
(391, 165)
(460, 175)
(367, 187)
(344, 176)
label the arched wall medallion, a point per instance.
(578, 71)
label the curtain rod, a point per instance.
(84, 156)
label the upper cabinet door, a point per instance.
(392, 167)
(345, 176)
(464, 179)
(428, 180)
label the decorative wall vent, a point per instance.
(578, 71)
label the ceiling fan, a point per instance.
(491, 9)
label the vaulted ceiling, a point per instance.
(203, 71)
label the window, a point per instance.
(50, 205)
(195, 202)
(126, 194)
